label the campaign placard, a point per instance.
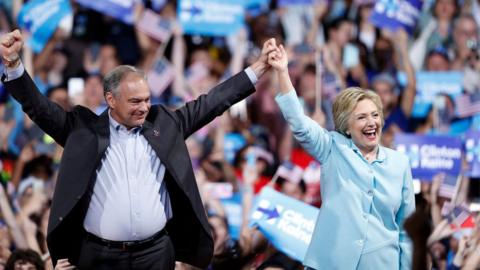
(429, 85)
(41, 18)
(430, 155)
(283, 3)
(211, 17)
(472, 152)
(122, 10)
(394, 14)
(233, 210)
(286, 222)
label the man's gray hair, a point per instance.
(113, 79)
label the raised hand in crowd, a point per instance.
(458, 260)
(9, 218)
(6, 128)
(5, 243)
(442, 230)
(26, 155)
(435, 209)
(472, 260)
(320, 9)
(468, 253)
(409, 92)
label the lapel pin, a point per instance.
(156, 133)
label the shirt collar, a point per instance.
(381, 155)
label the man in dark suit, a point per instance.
(126, 196)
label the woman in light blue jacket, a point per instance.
(367, 189)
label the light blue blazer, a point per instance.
(360, 223)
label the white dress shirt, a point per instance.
(130, 200)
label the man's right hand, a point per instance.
(10, 46)
(262, 65)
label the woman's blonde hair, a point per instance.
(345, 103)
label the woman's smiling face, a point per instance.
(365, 126)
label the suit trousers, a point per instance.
(159, 255)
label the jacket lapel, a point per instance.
(102, 127)
(158, 140)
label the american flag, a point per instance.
(154, 26)
(468, 104)
(461, 218)
(447, 188)
(219, 190)
(446, 209)
(160, 76)
(290, 172)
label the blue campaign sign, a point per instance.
(211, 17)
(430, 155)
(287, 223)
(256, 7)
(393, 14)
(472, 152)
(282, 3)
(118, 9)
(41, 18)
(232, 142)
(233, 210)
(429, 85)
(256, 3)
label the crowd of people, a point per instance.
(331, 45)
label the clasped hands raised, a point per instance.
(277, 57)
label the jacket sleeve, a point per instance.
(196, 114)
(49, 116)
(316, 140)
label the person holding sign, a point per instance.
(367, 189)
(126, 195)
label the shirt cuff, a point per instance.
(251, 75)
(13, 73)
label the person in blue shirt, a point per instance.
(367, 189)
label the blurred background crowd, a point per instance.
(331, 45)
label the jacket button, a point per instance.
(370, 193)
(60, 218)
(359, 242)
